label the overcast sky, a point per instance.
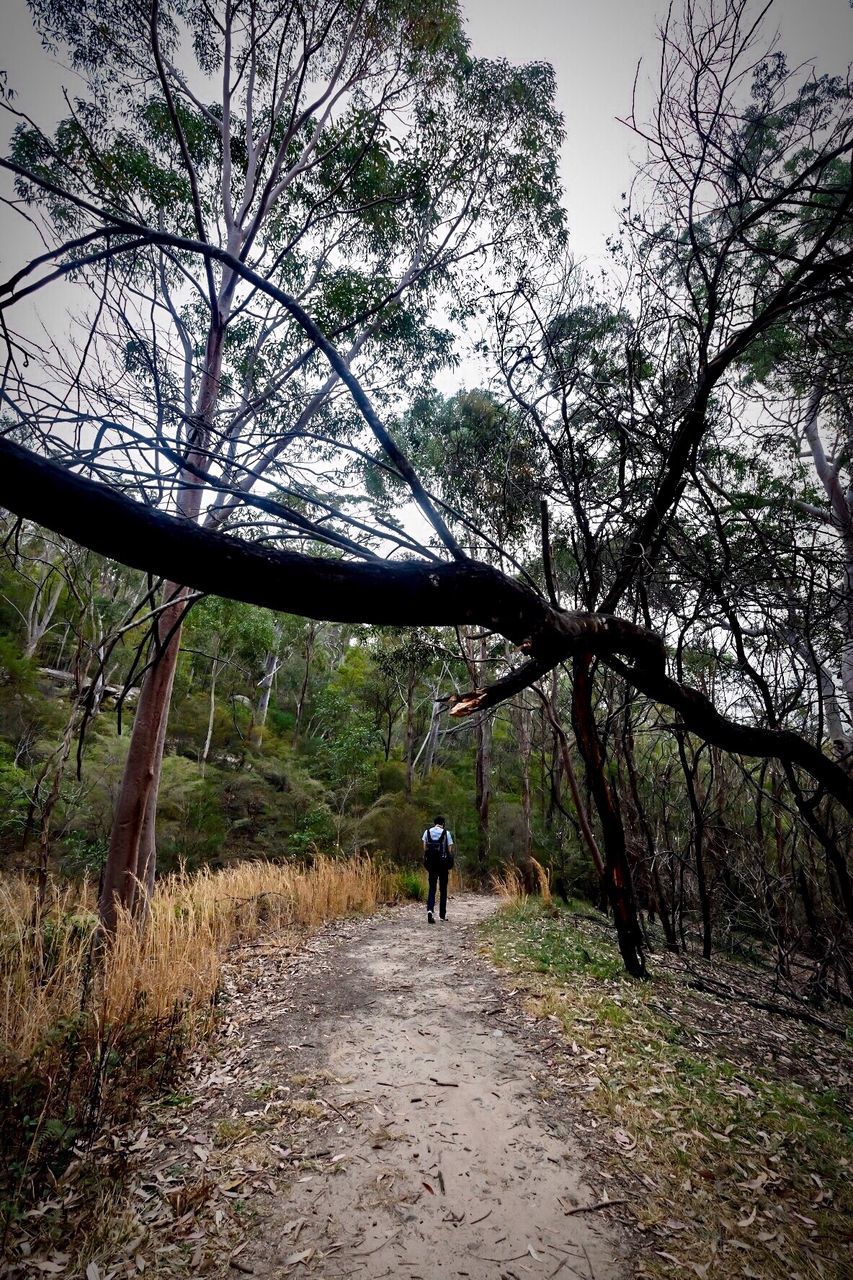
(594, 46)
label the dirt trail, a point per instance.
(447, 1163)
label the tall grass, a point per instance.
(87, 1027)
(512, 884)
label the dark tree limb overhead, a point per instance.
(402, 593)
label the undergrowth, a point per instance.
(736, 1167)
(87, 1029)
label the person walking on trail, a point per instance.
(438, 860)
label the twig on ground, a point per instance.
(332, 1107)
(720, 990)
(590, 1208)
(365, 1253)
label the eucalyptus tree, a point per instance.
(479, 457)
(628, 430)
(737, 230)
(350, 152)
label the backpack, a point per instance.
(437, 852)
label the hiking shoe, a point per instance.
(430, 918)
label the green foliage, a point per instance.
(686, 1102)
(413, 885)
(82, 855)
(316, 833)
(449, 439)
(14, 783)
(529, 936)
(349, 742)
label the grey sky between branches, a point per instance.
(594, 46)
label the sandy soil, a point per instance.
(444, 1162)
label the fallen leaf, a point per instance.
(305, 1256)
(624, 1139)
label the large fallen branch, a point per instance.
(396, 593)
(403, 593)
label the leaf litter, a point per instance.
(725, 1126)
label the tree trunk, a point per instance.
(60, 760)
(260, 716)
(657, 894)
(483, 767)
(697, 812)
(432, 737)
(841, 518)
(409, 747)
(483, 789)
(617, 870)
(148, 838)
(571, 777)
(524, 749)
(38, 620)
(134, 821)
(214, 672)
(310, 636)
(134, 818)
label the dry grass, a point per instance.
(543, 880)
(730, 1125)
(510, 883)
(86, 1028)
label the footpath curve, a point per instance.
(441, 1159)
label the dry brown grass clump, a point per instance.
(86, 1027)
(508, 883)
(513, 885)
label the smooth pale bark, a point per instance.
(841, 518)
(409, 747)
(432, 736)
(42, 608)
(132, 853)
(211, 715)
(259, 717)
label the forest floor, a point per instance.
(369, 1111)
(488, 1098)
(714, 1099)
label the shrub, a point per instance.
(413, 885)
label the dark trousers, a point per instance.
(438, 876)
